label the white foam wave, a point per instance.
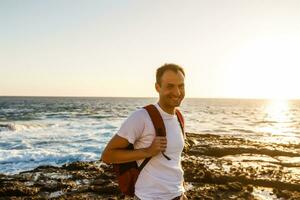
(23, 127)
(13, 161)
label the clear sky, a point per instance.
(229, 48)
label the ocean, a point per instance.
(37, 131)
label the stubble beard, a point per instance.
(174, 101)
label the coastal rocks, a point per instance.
(17, 189)
(209, 174)
(76, 179)
(233, 168)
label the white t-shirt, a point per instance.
(160, 178)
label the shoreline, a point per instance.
(215, 167)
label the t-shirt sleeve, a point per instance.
(133, 127)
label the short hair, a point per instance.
(169, 66)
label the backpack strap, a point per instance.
(144, 163)
(159, 126)
(158, 122)
(181, 121)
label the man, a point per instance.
(160, 178)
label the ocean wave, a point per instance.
(7, 127)
(15, 160)
(219, 131)
(100, 116)
(265, 122)
(22, 127)
(242, 130)
(60, 115)
(42, 156)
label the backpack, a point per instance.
(127, 173)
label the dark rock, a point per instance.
(236, 186)
(250, 188)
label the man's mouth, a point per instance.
(175, 98)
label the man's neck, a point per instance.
(169, 110)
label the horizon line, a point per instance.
(237, 98)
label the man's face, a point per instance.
(171, 90)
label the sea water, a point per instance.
(38, 131)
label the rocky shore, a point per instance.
(216, 167)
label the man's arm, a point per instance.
(115, 151)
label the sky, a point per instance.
(228, 48)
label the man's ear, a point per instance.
(157, 87)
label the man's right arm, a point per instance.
(116, 152)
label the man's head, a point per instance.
(170, 85)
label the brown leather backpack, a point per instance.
(127, 173)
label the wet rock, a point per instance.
(236, 186)
(284, 194)
(109, 189)
(250, 188)
(100, 182)
(17, 189)
(75, 166)
(223, 188)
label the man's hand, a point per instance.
(158, 145)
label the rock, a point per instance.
(236, 186)
(18, 189)
(222, 187)
(284, 194)
(249, 188)
(208, 169)
(75, 166)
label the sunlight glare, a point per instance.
(279, 122)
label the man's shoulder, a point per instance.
(139, 114)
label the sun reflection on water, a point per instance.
(278, 122)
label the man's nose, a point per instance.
(176, 91)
